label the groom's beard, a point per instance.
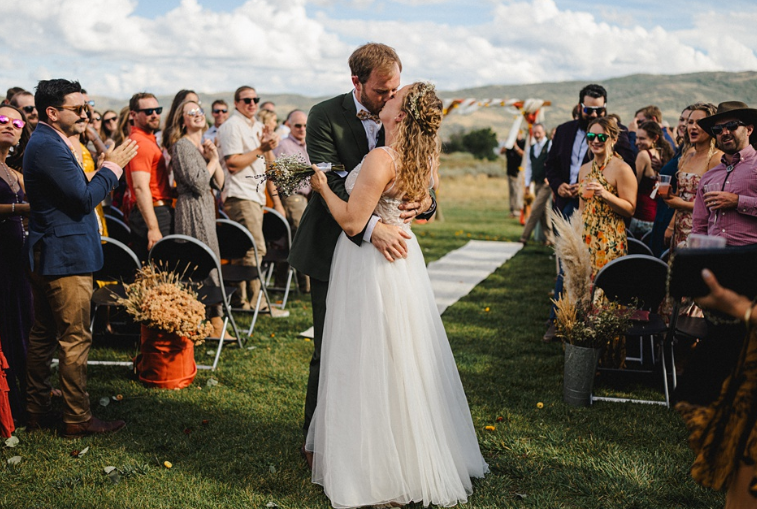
(373, 107)
(583, 122)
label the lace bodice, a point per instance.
(388, 206)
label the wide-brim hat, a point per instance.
(730, 109)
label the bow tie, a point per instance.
(365, 115)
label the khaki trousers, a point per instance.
(250, 215)
(515, 185)
(294, 206)
(61, 322)
(543, 194)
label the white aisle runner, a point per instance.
(455, 274)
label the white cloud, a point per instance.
(280, 46)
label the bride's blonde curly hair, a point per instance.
(417, 141)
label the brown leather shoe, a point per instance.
(551, 334)
(308, 456)
(48, 420)
(93, 426)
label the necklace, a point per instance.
(11, 182)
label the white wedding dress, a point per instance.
(392, 422)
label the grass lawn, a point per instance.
(236, 443)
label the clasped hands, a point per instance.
(567, 190)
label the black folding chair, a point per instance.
(665, 255)
(637, 247)
(190, 257)
(278, 240)
(234, 240)
(117, 229)
(110, 210)
(639, 281)
(120, 265)
(646, 238)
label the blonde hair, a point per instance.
(417, 141)
(611, 128)
(265, 116)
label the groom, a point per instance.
(343, 130)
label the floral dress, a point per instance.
(604, 229)
(688, 183)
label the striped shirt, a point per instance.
(738, 225)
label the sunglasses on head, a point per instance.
(596, 109)
(731, 126)
(248, 100)
(194, 112)
(111, 119)
(16, 122)
(601, 137)
(300, 126)
(150, 111)
(76, 109)
(29, 109)
(220, 110)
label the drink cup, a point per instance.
(709, 188)
(696, 240)
(588, 193)
(663, 188)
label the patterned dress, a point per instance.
(604, 229)
(724, 435)
(688, 183)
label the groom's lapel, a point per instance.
(355, 126)
(380, 139)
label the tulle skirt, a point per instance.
(392, 422)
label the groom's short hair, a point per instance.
(372, 56)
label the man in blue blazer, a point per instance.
(64, 249)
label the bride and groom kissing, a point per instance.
(386, 419)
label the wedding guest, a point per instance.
(699, 159)
(731, 213)
(150, 207)
(123, 126)
(568, 152)
(63, 250)
(514, 158)
(196, 169)
(649, 113)
(664, 214)
(651, 146)
(180, 97)
(294, 205)
(536, 173)
(16, 307)
(220, 112)
(243, 143)
(10, 93)
(607, 188)
(97, 121)
(723, 435)
(108, 127)
(121, 196)
(25, 101)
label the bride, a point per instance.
(392, 425)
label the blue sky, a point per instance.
(117, 47)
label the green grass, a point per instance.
(247, 454)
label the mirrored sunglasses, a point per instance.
(220, 110)
(16, 122)
(194, 112)
(595, 109)
(601, 137)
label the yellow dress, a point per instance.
(88, 165)
(604, 229)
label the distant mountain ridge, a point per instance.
(625, 95)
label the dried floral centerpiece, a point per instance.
(158, 299)
(291, 173)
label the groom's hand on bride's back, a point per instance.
(410, 209)
(390, 240)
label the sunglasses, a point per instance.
(91, 103)
(98, 118)
(29, 109)
(248, 100)
(76, 109)
(596, 109)
(300, 126)
(16, 122)
(111, 119)
(194, 112)
(150, 111)
(219, 110)
(731, 126)
(601, 137)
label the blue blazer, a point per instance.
(62, 219)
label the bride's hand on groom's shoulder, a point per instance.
(318, 181)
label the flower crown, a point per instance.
(412, 105)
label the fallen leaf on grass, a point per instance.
(167, 464)
(209, 352)
(104, 401)
(500, 419)
(108, 470)
(15, 460)
(489, 428)
(117, 397)
(212, 382)
(79, 454)
(251, 347)
(272, 469)
(520, 496)
(540, 405)
(486, 309)
(11, 442)
(271, 504)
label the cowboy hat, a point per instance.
(729, 109)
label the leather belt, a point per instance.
(161, 203)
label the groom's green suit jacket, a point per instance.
(334, 135)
